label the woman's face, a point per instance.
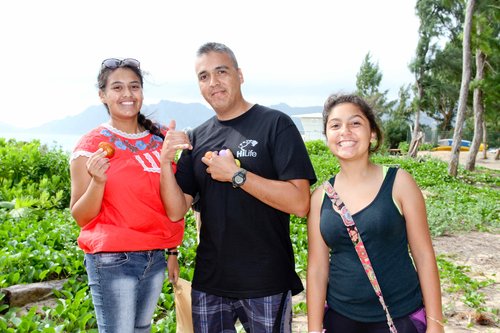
(348, 132)
(123, 94)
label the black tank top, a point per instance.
(383, 231)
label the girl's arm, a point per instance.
(88, 179)
(412, 204)
(317, 267)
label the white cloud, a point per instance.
(291, 51)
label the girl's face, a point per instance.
(123, 94)
(348, 132)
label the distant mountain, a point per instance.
(78, 124)
(186, 115)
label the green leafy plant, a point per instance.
(300, 308)
(455, 279)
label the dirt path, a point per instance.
(477, 250)
(489, 163)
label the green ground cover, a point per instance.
(38, 235)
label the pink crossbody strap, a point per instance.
(353, 233)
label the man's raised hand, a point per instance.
(174, 140)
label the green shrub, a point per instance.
(317, 147)
(426, 146)
(395, 131)
(404, 147)
(30, 171)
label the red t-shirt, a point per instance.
(132, 216)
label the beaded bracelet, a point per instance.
(435, 320)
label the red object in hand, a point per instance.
(108, 148)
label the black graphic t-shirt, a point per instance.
(245, 249)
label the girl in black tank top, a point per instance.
(389, 212)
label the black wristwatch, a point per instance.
(239, 178)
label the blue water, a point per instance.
(63, 141)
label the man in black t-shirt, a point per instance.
(257, 174)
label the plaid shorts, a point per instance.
(214, 314)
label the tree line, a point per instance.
(456, 79)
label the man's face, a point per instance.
(219, 81)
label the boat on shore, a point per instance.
(446, 144)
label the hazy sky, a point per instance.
(294, 52)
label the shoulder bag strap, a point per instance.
(353, 233)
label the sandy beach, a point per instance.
(489, 163)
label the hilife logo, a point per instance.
(244, 151)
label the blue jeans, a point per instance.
(125, 288)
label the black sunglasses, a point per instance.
(113, 63)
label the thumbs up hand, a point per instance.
(174, 140)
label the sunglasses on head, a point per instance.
(113, 63)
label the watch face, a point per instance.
(238, 179)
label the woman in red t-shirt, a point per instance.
(115, 199)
